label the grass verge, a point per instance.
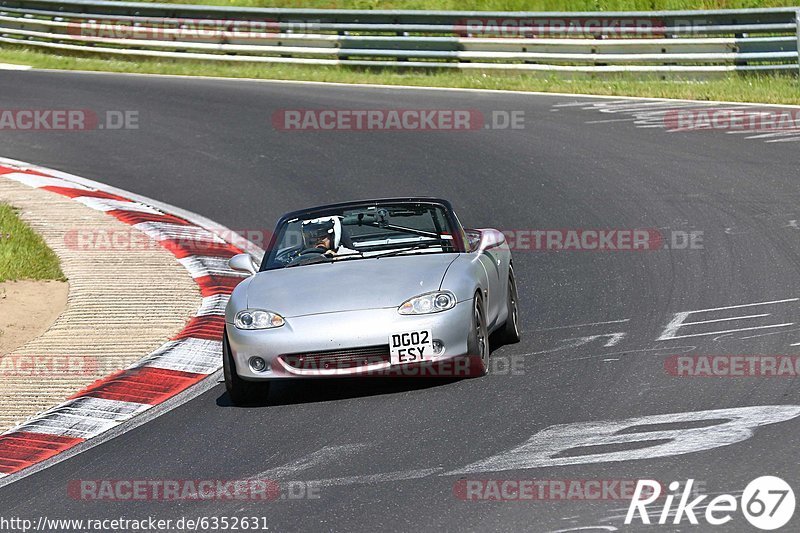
(23, 253)
(773, 89)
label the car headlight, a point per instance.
(258, 319)
(431, 302)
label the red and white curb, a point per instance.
(188, 358)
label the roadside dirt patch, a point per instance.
(28, 309)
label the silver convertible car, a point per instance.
(377, 287)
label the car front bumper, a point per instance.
(349, 330)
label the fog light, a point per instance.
(258, 364)
(438, 346)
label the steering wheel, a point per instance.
(313, 251)
(310, 255)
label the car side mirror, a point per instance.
(473, 239)
(484, 239)
(491, 238)
(243, 263)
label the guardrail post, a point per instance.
(797, 30)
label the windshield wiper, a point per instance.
(326, 259)
(344, 257)
(310, 261)
(409, 249)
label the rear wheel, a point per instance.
(509, 333)
(240, 391)
(478, 341)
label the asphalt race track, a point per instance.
(387, 455)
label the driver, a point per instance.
(320, 234)
(325, 234)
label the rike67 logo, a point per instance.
(767, 503)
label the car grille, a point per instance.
(338, 359)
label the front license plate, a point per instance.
(411, 347)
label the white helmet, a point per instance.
(319, 228)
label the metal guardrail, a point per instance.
(662, 42)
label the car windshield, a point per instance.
(368, 231)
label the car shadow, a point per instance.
(297, 391)
(496, 342)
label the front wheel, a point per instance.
(509, 333)
(478, 341)
(240, 391)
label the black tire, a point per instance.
(241, 392)
(509, 333)
(478, 340)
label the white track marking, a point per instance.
(401, 475)
(523, 94)
(546, 448)
(678, 319)
(586, 528)
(198, 356)
(724, 319)
(326, 455)
(613, 340)
(795, 344)
(672, 350)
(9, 66)
(731, 331)
(578, 104)
(785, 133)
(792, 140)
(584, 325)
(642, 110)
(640, 107)
(105, 204)
(575, 342)
(768, 334)
(654, 114)
(610, 120)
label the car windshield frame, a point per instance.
(457, 241)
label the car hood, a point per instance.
(347, 285)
